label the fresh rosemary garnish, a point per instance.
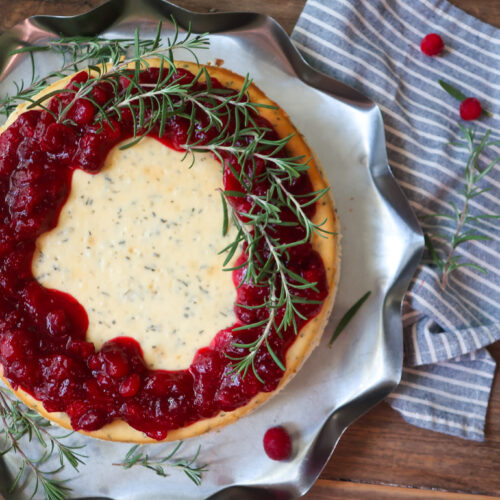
(18, 422)
(82, 52)
(237, 136)
(346, 318)
(445, 258)
(136, 457)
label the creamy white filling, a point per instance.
(137, 245)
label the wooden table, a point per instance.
(380, 456)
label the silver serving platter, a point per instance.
(381, 245)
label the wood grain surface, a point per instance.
(380, 456)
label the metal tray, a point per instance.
(381, 244)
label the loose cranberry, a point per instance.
(470, 109)
(277, 443)
(130, 386)
(432, 44)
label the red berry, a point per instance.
(130, 386)
(116, 363)
(470, 109)
(57, 322)
(58, 137)
(432, 44)
(82, 112)
(277, 443)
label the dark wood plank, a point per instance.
(346, 490)
(486, 10)
(286, 12)
(14, 12)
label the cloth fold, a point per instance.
(374, 47)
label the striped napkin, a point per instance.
(374, 46)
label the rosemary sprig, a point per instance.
(17, 422)
(346, 318)
(159, 465)
(81, 52)
(231, 116)
(446, 260)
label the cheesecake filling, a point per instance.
(138, 246)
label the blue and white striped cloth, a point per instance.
(374, 46)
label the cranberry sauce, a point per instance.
(43, 348)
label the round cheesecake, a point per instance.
(133, 259)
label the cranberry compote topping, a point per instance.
(43, 348)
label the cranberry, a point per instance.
(57, 367)
(102, 93)
(206, 368)
(6, 242)
(91, 420)
(161, 382)
(44, 120)
(80, 348)
(9, 142)
(176, 133)
(82, 112)
(93, 390)
(277, 443)
(130, 386)
(57, 322)
(23, 199)
(252, 297)
(182, 76)
(27, 123)
(22, 371)
(94, 362)
(152, 75)
(125, 81)
(27, 172)
(78, 79)
(115, 363)
(58, 138)
(432, 44)
(236, 390)
(470, 109)
(16, 344)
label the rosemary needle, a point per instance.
(135, 456)
(344, 321)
